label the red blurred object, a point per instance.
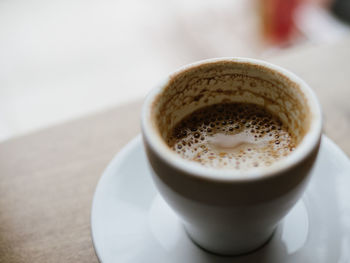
(277, 19)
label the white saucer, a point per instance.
(131, 223)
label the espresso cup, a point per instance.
(226, 210)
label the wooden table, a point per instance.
(47, 179)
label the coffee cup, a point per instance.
(230, 210)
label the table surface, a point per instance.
(47, 179)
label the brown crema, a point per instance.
(232, 135)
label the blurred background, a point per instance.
(60, 60)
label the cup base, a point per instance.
(232, 250)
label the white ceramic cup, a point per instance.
(229, 211)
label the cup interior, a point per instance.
(236, 80)
(225, 82)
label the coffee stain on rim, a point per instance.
(189, 77)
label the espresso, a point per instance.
(232, 135)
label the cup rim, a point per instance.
(310, 140)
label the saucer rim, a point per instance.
(119, 158)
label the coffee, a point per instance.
(232, 135)
(219, 160)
